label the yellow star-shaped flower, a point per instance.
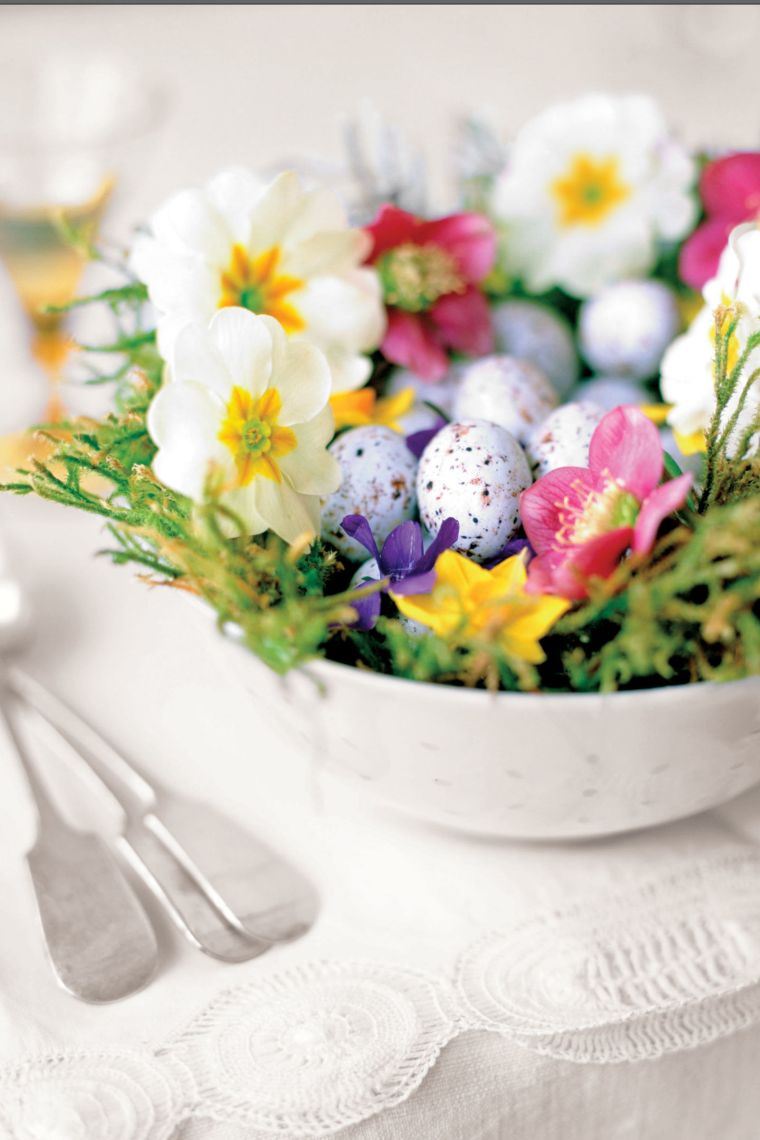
(358, 409)
(469, 603)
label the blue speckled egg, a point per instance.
(534, 332)
(475, 472)
(563, 439)
(506, 391)
(378, 482)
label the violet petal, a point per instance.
(418, 440)
(367, 608)
(447, 535)
(358, 528)
(402, 549)
(415, 584)
(514, 546)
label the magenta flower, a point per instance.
(431, 274)
(581, 520)
(403, 563)
(730, 192)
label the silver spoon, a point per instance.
(230, 894)
(99, 940)
(188, 846)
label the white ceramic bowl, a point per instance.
(520, 765)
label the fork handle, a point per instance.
(123, 780)
(48, 815)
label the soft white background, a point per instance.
(255, 83)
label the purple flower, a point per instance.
(514, 546)
(418, 440)
(403, 562)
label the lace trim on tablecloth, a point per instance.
(311, 1050)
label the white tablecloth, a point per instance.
(343, 1026)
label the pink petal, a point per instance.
(700, 254)
(410, 342)
(541, 504)
(730, 186)
(627, 445)
(569, 576)
(469, 238)
(463, 322)
(662, 502)
(390, 228)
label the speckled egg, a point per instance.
(563, 438)
(378, 482)
(368, 569)
(441, 393)
(512, 393)
(611, 391)
(534, 332)
(475, 472)
(626, 328)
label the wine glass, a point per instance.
(71, 128)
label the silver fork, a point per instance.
(99, 941)
(201, 865)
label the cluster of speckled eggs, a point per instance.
(507, 425)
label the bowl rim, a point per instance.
(325, 673)
(337, 672)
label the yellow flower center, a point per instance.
(251, 432)
(254, 283)
(588, 191)
(415, 276)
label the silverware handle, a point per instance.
(47, 813)
(71, 724)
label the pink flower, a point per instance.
(431, 273)
(730, 192)
(581, 520)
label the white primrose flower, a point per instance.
(251, 405)
(687, 374)
(589, 190)
(273, 248)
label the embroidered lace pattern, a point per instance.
(307, 1051)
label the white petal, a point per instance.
(349, 370)
(234, 194)
(175, 281)
(303, 381)
(344, 311)
(286, 512)
(318, 211)
(183, 420)
(168, 330)
(310, 468)
(243, 502)
(333, 252)
(274, 211)
(195, 357)
(244, 342)
(188, 223)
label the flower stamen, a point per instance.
(254, 283)
(415, 276)
(251, 433)
(589, 190)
